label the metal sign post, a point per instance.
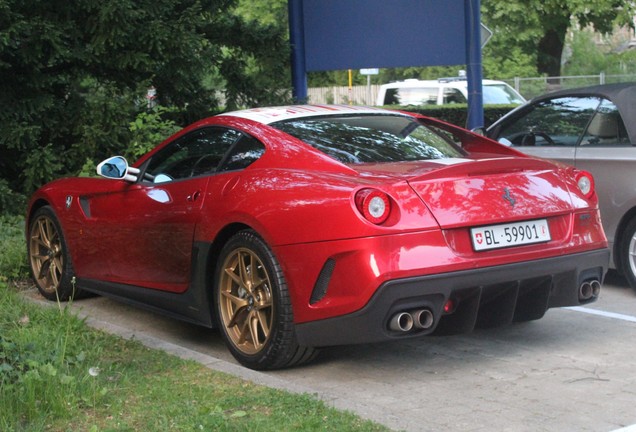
(368, 72)
(475, 118)
(297, 41)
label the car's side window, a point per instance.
(197, 153)
(391, 97)
(452, 95)
(606, 128)
(244, 152)
(555, 122)
(415, 95)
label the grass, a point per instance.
(57, 374)
(13, 263)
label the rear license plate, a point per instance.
(512, 234)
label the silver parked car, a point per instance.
(593, 128)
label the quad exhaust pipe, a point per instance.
(419, 319)
(422, 319)
(401, 321)
(589, 289)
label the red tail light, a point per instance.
(585, 183)
(373, 204)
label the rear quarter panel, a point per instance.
(294, 207)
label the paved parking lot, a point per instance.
(573, 370)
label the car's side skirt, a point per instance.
(194, 305)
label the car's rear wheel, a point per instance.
(627, 253)
(253, 307)
(51, 265)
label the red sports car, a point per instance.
(294, 228)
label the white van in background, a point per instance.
(444, 91)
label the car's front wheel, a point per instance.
(253, 307)
(627, 253)
(50, 261)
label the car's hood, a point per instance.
(485, 191)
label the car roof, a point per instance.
(623, 95)
(442, 82)
(269, 115)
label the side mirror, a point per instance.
(116, 167)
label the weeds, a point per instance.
(56, 374)
(13, 262)
(40, 370)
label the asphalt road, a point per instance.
(573, 370)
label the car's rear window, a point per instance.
(371, 138)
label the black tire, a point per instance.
(50, 262)
(253, 308)
(627, 253)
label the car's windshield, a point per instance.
(371, 138)
(500, 94)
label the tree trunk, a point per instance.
(550, 50)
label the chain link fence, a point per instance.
(531, 87)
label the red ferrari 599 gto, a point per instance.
(294, 228)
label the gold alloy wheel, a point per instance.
(46, 254)
(245, 301)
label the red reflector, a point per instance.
(449, 306)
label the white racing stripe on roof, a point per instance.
(271, 114)
(449, 161)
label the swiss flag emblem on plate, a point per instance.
(479, 238)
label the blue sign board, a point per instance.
(354, 34)
(358, 34)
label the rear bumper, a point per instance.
(485, 297)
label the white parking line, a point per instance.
(612, 315)
(628, 318)
(631, 428)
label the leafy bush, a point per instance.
(42, 165)
(89, 169)
(11, 203)
(149, 129)
(75, 74)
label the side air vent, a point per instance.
(322, 284)
(86, 206)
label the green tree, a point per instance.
(74, 74)
(622, 62)
(269, 12)
(537, 28)
(586, 58)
